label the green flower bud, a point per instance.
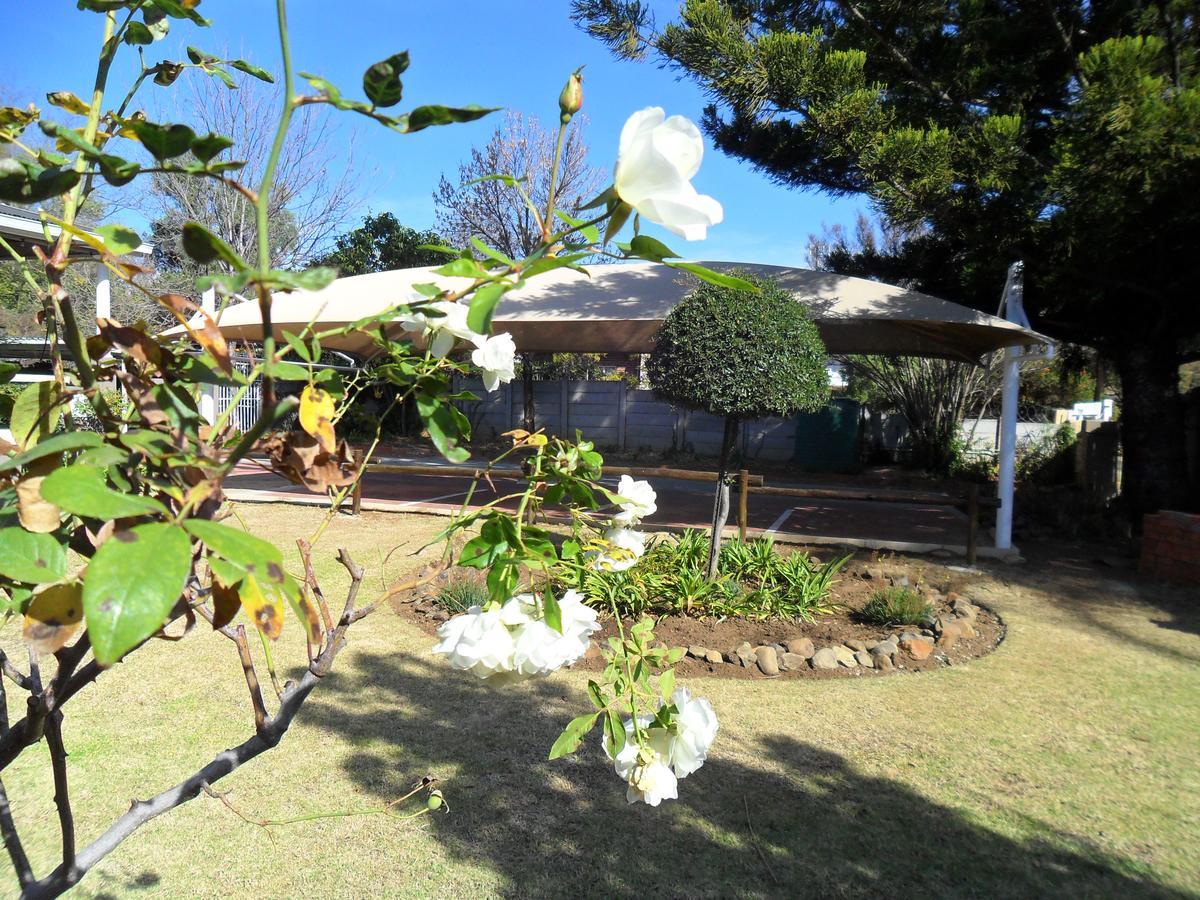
(571, 98)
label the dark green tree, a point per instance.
(740, 355)
(381, 244)
(1065, 133)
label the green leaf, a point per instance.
(250, 69)
(289, 371)
(446, 426)
(221, 75)
(463, 267)
(132, 582)
(7, 371)
(162, 141)
(81, 490)
(666, 684)
(573, 735)
(22, 181)
(200, 58)
(596, 695)
(718, 278)
(551, 612)
(35, 413)
(205, 247)
(614, 732)
(308, 280)
(68, 137)
(206, 147)
(425, 116)
(118, 171)
(645, 247)
(119, 239)
(166, 72)
(136, 33)
(258, 557)
(31, 558)
(483, 305)
(56, 443)
(176, 9)
(381, 82)
(590, 233)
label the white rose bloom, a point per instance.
(626, 548)
(651, 782)
(441, 332)
(538, 648)
(640, 500)
(656, 161)
(696, 727)
(495, 357)
(477, 642)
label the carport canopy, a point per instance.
(618, 308)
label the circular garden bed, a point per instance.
(874, 618)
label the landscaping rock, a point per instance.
(949, 633)
(967, 628)
(900, 581)
(917, 647)
(864, 659)
(882, 661)
(439, 615)
(792, 661)
(887, 647)
(964, 609)
(845, 657)
(768, 660)
(714, 657)
(825, 658)
(801, 646)
(697, 652)
(745, 654)
(856, 644)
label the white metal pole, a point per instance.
(208, 392)
(103, 295)
(1014, 311)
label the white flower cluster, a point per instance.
(673, 753)
(513, 641)
(625, 545)
(494, 355)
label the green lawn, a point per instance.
(1065, 763)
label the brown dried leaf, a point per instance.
(209, 334)
(36, 513)
(135, 342)
(299, 458)
(53, 616)
(226, 603)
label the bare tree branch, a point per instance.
(62, 795)
(12, 841)
(495, 212)
(142, 811)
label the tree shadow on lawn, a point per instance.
(563, 828)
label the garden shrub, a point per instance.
(461, 593)
(896, 606)
(753, 581)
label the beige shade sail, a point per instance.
(618, 308)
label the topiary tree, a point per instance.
(742, 355)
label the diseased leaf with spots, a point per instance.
(53, 617)
(131, 584)
(264, 607)
(306, 612)
(252, 554)
(573, 735)
(31, 558)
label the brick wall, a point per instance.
(1171, 547)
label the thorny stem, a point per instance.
(548, 221)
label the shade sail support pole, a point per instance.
(208, 392)
(103, 295)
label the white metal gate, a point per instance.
(248, 408)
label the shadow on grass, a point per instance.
(800, 823)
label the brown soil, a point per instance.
(863, 575)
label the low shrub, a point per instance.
(754, 581)
(461, 593)
(896, 606)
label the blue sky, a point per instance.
(509, 54)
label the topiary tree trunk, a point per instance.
(721, 496)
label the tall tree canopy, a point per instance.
(381, 243)
(1062, 132)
